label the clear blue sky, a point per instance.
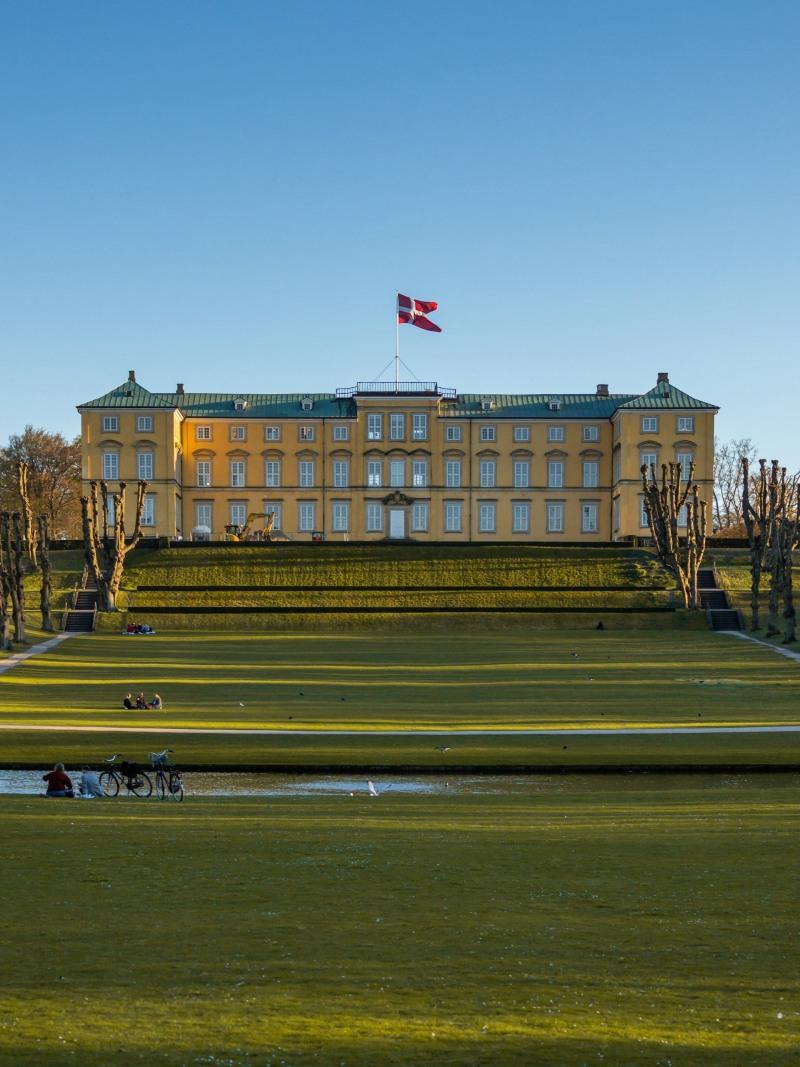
(228, 194)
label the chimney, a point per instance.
(179, 388)
(131, 375)
(663, 376)
(602, 390)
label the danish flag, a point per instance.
(416, 311)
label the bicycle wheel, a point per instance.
(109, 783)
(141, 785)
(161, 785)
(176, 787)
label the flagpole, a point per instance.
(396, 344)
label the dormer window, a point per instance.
(487, 404)
(555, 403)
(307, 403)
(240, 403)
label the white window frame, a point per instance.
(306, 516)
(420, 516)
(591, 433)
(488, 473)
(643, 523)
(275, 510)
(522, 474)
(397, 426)
(685, 424)
(272, 433)
(453, 516)
(452, 433)
(452, 473)
(202, 433)
(522, 433)
(237, 513)
(487, 517)
(397, 473)
(341, 473)
(341, 433)
(144, 423)
(111, 424)
(375, 474)
(145, 462)
(649, 460)
(306, 433)
(589, 525)
(683, 517)
(374, 517)
(488, 433)
(374, 426)
(419, 473)
(419, 426)
(201, 510)
(555, 433)
(272, 473)
(649, 424)
(238, 474)
(111, 466)
(238, 433)
(555, 474)
(340, 516)
(520, 517)
(591, 473)
(305, 473)
(202, 473)
(680, 457)
(555, 516)
(149, 510)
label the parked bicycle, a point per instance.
(131, 775)
(169, 780)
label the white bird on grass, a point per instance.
(373, 792)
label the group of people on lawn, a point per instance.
(141, 703)
(59, 783)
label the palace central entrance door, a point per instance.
(397, 522)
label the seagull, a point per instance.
(373, 792)
(442, 748)
(574, 655)
(241, 705)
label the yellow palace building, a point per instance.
(386, 460)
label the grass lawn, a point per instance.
(644, 922)
(376, 682)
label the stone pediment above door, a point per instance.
(397, 499)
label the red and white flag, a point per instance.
(416, 312)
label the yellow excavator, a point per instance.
(235, 532)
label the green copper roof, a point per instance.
(665, 395)
(536, 405)
(209, 405)
(326, 405)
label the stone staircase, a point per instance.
(80, 617)
(721, 616)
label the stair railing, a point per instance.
(94, 618)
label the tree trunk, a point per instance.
(28, 528)
(43, 559)
(105, 547)
(5, 593)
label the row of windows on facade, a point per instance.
(397, 429)
(651, 460)
(420, 516)
(398, 472)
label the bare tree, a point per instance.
(14, 558)
(758, 518)
(665, 501)
(43, 560)
(104, 538)
(5, 590)
(28, 528)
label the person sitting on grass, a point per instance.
(127, 703)
(59, 784)
(90, 784)
(141, 703)
(156, 702)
